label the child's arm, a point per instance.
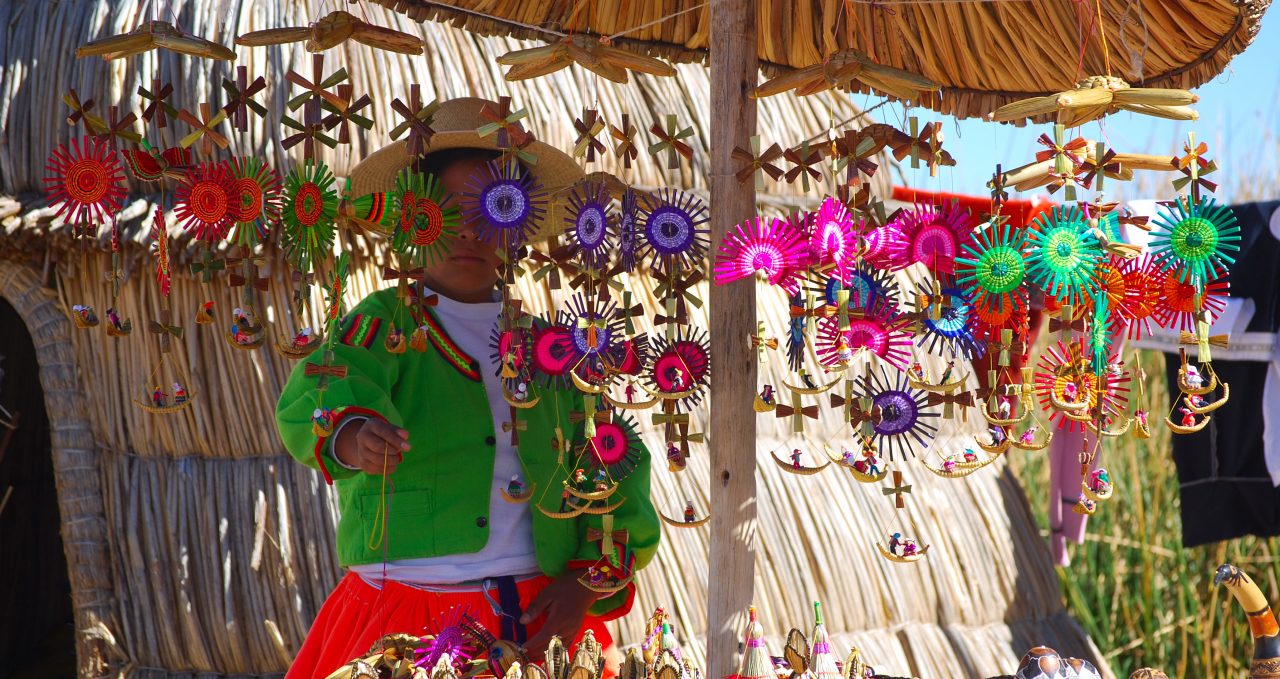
(364, 391)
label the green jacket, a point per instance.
(443, 486)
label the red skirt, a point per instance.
(356, 615)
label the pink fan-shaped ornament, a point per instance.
(773, 250)
(877, 332)
(882, 243)
(833, 238)
(935, 234)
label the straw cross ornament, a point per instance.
(240, 93)
(625, 149)
(1006, 346)
(797, 411)
(999, 190)
(514, 426)
(248, 274)
(309, 131)
(342, 117)
(606, 535)
(505, 123)
(761, 342)
(82, 112)
(324, 370)
(1098, 166)
(597, 416)
(628, 312)
(1202, 340)
(670, 420)
(948, 402)
(670, 140)
(1194, 166)
(803, 159)
(203, 129)
(1067, 157)
(853, 151)
(118, 128)
(165, 330)
(897, 491)
(588, 126)
(157, 108)
(671, 285)
(1068, 326)
(317, 87)
(206, 266)
(757, 164)
(417, 120)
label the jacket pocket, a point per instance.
(407, 512)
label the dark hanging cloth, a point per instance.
(1227, 491)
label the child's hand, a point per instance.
(375, 446)
(565, 602)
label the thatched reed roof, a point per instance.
(35, 73)
(983, 54)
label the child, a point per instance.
(427, 421)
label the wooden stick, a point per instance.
(733, 319)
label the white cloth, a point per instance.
(510, 548)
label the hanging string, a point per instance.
(615, 36)
(378, 537)
(1102, 32)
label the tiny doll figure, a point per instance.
(909, 547)
(630, 392)
(158, 396)
(970, 456)
(795, 458)
(301, 339)
(766, 394)
(1188, 417)
(844, 355)
(1100, 480)
(846, 456)
(1141, 417)
(1194, 378)
(1070, 392)
(869, 457)
(946, 374)
(1029, 435)
(113, 318)
(179, 393)
(515, 487)
(689, 515)
(949, 464)
(895, 541)
(204, 315)
(917, 371)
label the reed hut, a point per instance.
(195, 547)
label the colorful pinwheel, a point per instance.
(1064, 374)
(427, 218)
(85, 181)
(993, 273)
(671, 229)
(255, 199)
(1062, 254)
(904, 424)
(952, 334)
(682, 365)
(1180, 300)
(591, 225)
(506, 202)
(204, 201)
(1143, 283)
(1193, 239)
(616, 448)
(310, 206)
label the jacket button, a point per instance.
(482, 521)
(489, 440)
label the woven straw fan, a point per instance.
(843, 67)
(1098, 96)
(593, 54)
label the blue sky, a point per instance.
(1239, 118)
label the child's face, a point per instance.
(470, 271)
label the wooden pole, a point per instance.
(731, 585)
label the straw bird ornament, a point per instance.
(594, 54)
(154, 35)
(334, 29)
(1100, 95)
(840, 70)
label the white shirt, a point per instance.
(510, 547)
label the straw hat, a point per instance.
(455, 124)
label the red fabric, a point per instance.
(357, 614)
(1019, 212)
